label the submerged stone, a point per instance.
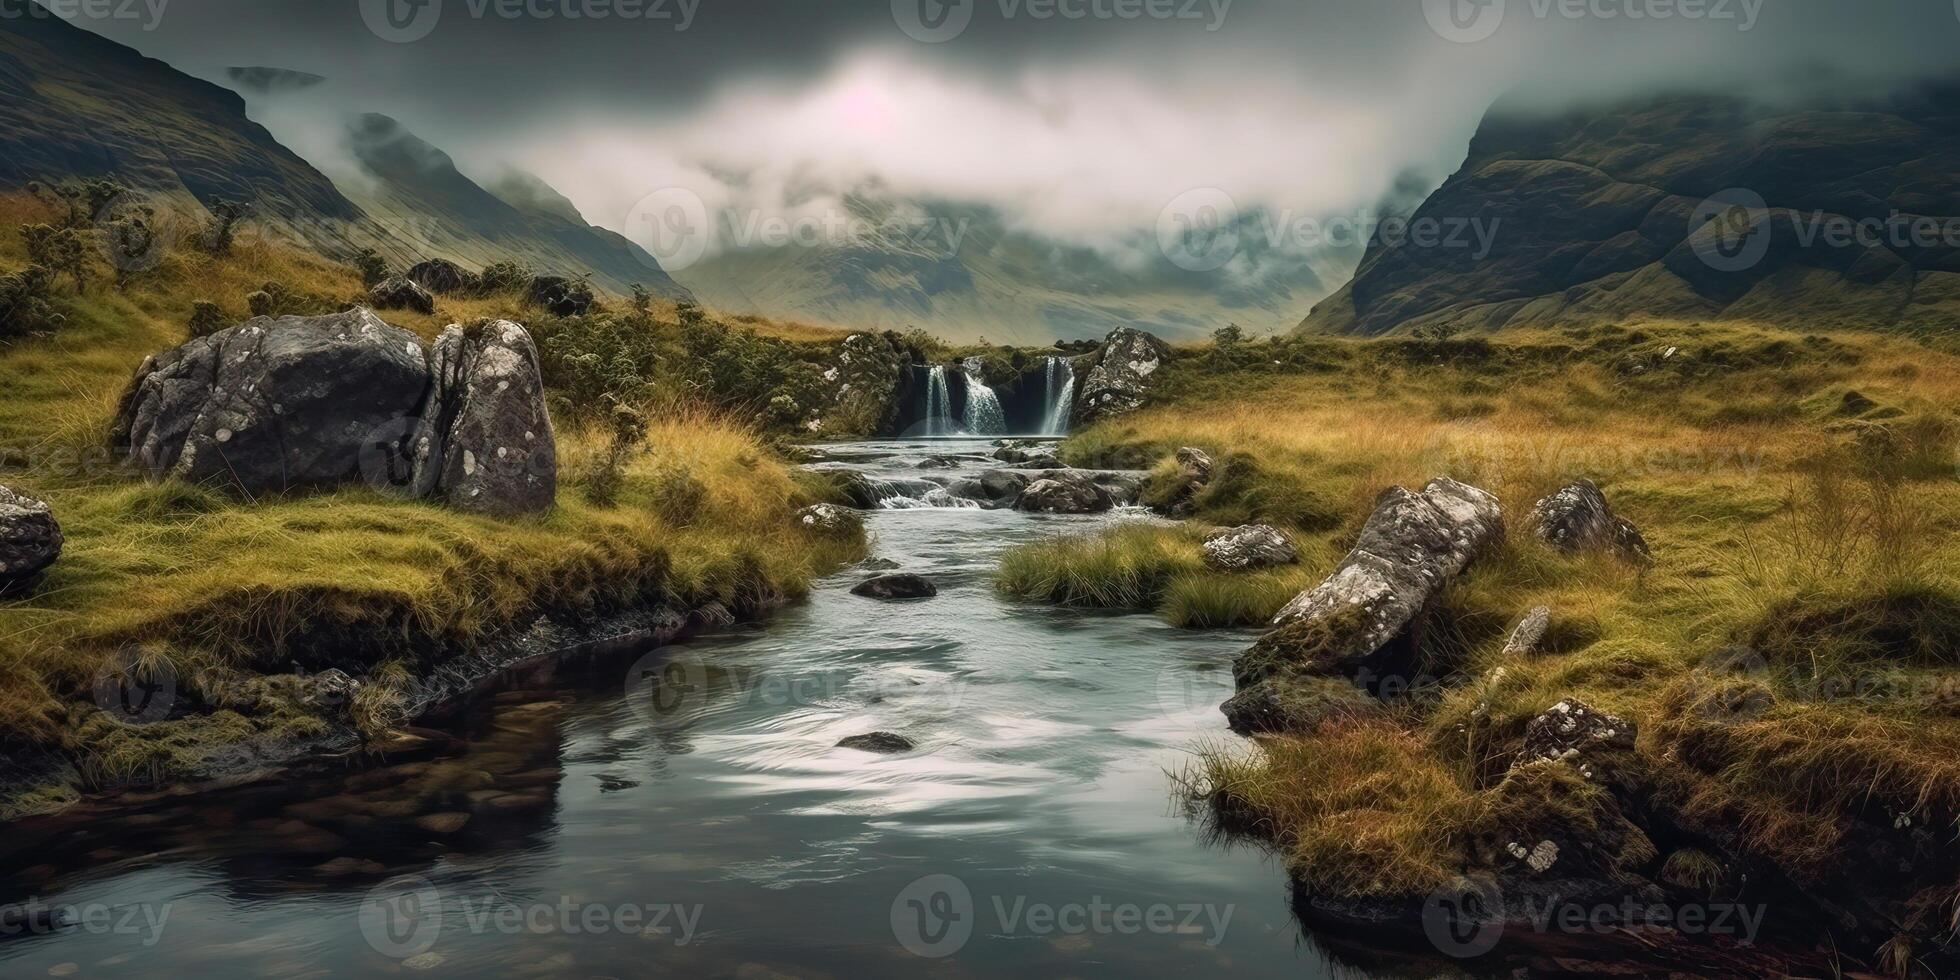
(899, 585)
(883, 743)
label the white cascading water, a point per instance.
(1060, 393)
(939, 404)
(984, 416)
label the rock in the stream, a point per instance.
(440, 276)
(994, 488)
(830, 519)
(1298, 704)
(1124, 372)
(899, 585)
(1064, 492)
(30, 540)
(486, 444)
(883, 743)
(1530, 632)
(1028, 455)
(1576, 519)
(401, 293)
(271, 405)
(1250, 546)
(1365, 621)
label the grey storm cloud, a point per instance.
(1075, 117)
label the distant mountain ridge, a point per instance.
(430, 204)
(964, 271)
(74, 104)
(1688, 206)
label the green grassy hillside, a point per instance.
(224, 590)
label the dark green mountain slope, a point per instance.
(1688, 207)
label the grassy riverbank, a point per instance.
(1788, 658)
(226, 591)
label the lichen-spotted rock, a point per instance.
(1570, 729)
(487, 444)
(1365, 621)
(272, 404)
(1125, 370)
(1577, 519)
(1238, 549)
(30, 540)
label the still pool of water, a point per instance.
(690, 815)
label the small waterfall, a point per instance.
(1060, 393)
(984, 416)
(939, 404)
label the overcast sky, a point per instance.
(1084, 123)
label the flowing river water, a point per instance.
(691, 815)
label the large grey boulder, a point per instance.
(1065, 492)
(401, 293)
(1124, 372)
(1576, 519)
(1366, 620)
(272, 405)
(30, 540)
(486, 444)
(1248, 547)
